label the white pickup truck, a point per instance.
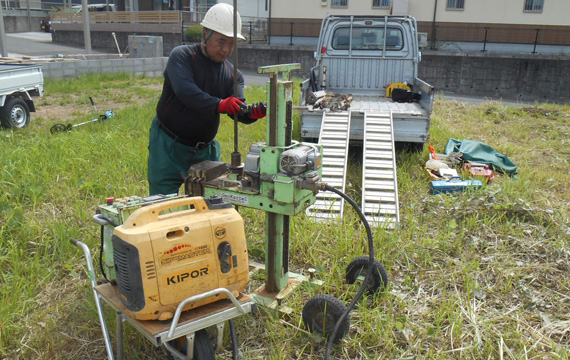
(18, 83)
(362, 62)
(362, 56)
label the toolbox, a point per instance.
(454, 184)
(478, 169)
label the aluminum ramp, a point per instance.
(335, 131)
(379, 180)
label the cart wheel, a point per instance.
(203, 346)
(359, 266)
(321, 314)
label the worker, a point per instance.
(198, 87)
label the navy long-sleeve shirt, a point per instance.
(193, 87)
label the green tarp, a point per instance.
(483, 153)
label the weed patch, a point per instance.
(474, 275)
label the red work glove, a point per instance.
(230, 105)
(257, 111)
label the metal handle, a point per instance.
(201, 296)
(100, 220)
(151, 213)
(91, 271)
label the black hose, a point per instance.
(234, 340)
(101, 253)
(370, 267)
(102, 243)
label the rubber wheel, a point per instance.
(203, 346)
(15, 114)
(359, 266)
(412, 147)
(321, 314)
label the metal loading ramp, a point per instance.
(379, 180)
(335, 131)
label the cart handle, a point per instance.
(91, 271)
(201, 296)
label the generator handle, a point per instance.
(201, 296)
(151, 213)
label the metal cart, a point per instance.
(184, 324)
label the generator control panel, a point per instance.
(115, 212)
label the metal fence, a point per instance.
(442, 34)
(157, 17)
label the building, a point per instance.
(508, 21)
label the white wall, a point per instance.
(556, 12)
(250, 8)
(312, 9)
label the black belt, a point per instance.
(200, 145)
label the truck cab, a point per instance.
(360, 57)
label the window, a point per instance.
(339, 3)
(533, 6)
(367, 38)
(455, 5)
(383, 4)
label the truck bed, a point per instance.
(382, 104)
(16, 78)
(411, 120)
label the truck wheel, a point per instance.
(15, 114)
(412, 147)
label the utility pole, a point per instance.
(3, 46)
(29, 15)
(434, 27)
(86, 26)
(269, 25)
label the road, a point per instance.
(38, 44)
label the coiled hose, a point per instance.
(369, 269)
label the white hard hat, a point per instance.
(220, 18)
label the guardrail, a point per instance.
(157, 17)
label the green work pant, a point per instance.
(169, 161)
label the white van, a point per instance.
(95, 7)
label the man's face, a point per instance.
(219, 47)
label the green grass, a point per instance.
(478, 275)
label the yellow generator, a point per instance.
(162, 259)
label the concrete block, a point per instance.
(145, 46)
